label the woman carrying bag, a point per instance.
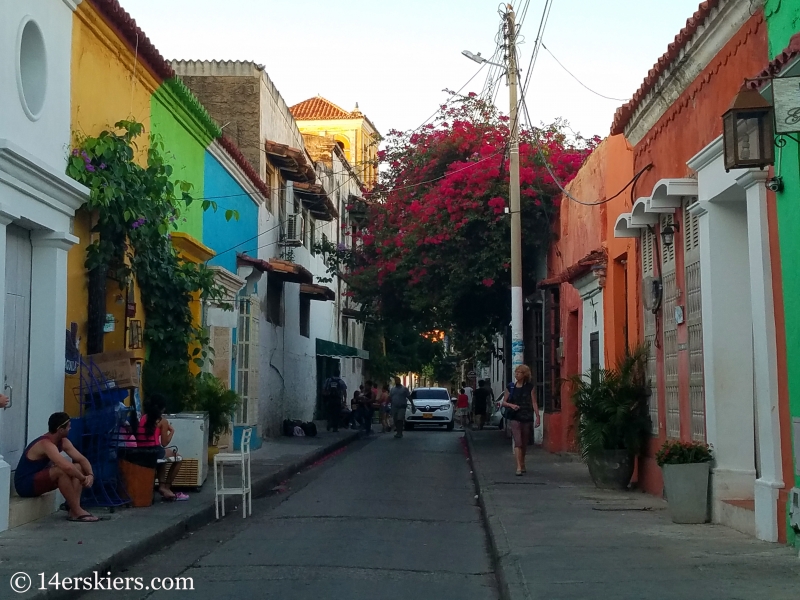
(521, 411)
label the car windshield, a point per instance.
(430, 395)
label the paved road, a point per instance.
(386, 518)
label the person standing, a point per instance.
(480, 402)
(462, 408)
(386, 409)
(469, 392)
(520, 397)
(399, 397)
(334, 395)
(367, 408)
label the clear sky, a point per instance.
(394, 57)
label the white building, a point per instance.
(37, 204)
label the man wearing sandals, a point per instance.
(42, 468)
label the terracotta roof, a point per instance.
(317, 200)
(289, 271)
(125, 25)
(292, 162)
(261, 265)
(596, 258)
(777, 64)
(317, 292)
(624, 113)
(233, 151)
(318, 108)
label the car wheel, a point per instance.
(409, 426)
(450, 426)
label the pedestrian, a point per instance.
(480, 402)
(43, 468)
(462, 408)
(355, 408)
(469, 392)
(520, 397)
(386, 410)
(367, 407)
(334, 396)
(399, 397)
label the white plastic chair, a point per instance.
(242, 458)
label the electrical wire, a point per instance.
(571, 74)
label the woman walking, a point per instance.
(520, 397)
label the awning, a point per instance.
(328, 348)
(597, 259)
(317, 292)
(316, 200)
(292, 162)
(289, 271)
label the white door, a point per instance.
(14, 424)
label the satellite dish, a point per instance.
(652, 293)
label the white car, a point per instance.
(434, 407)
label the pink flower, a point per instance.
(488, 282)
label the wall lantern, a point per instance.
(668, 234)
(747, 132)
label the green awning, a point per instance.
(328, 348)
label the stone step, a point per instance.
(25, 510)
(738, 514)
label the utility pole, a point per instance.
(517, 341)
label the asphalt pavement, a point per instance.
(381, 519)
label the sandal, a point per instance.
(87, 518)
(518, 473)
(179, 497)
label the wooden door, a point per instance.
(14, 425)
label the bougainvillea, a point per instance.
(435, 251)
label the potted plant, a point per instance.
(212, 396)
(685, 466)
(612, 418)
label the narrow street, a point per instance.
(385, 518)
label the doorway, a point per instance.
(14, 425)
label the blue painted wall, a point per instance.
(219, 234)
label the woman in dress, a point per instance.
(520, 397)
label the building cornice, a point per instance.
(72, 4)
(231, 282)
(717, 29)
(706, 156)
(24, 173)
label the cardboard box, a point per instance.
(119, 367)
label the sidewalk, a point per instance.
(554, 536)
(53, 545)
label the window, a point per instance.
(345, 330)
(594, 355)
(282, 201)
(305, 316)
(312, 234)
(274, 300)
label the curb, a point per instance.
(191, 522)
(510, 583)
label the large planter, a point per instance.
(686, 488)
(611, 469)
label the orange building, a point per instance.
(592, 279)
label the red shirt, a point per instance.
(463, 401)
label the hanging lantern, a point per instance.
(747, 132)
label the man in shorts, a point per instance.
(42, 468)
(399, 396)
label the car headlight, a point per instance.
(445, 407)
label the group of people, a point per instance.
(472, 406)
(359, 414)
(43, 466)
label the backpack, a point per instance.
(333, 388)
(289, 425)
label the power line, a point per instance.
(571, 74)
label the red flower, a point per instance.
(488, 282)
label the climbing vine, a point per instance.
(135, 208)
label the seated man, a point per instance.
(42, 468)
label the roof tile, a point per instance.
(319, 108)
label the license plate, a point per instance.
(427, 415)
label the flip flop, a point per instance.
(179, 497)
(87, 518)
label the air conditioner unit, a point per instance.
(294, 230)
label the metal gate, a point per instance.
(671, 376)
(247, 360)
(648, 250)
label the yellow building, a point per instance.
(353, 131)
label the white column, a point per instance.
(765, 356)
(727, 348)
(48, 327)
(5, 469)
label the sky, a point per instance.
(394, 58)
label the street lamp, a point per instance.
(479, 59)
(668, 234)
(747, 131)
